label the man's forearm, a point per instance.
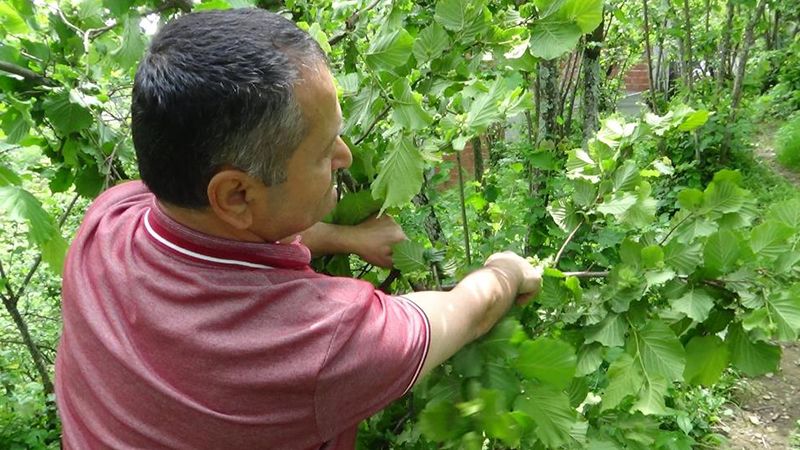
(328, 239)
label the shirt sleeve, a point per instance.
(375, 357)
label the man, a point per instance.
(191, 317)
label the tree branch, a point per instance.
(26, 73)
(350, 23)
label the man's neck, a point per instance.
(206, 222)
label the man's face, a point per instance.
(309, 193)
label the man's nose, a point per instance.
(344, 158)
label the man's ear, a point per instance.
(230, 193)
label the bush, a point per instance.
(787, 143)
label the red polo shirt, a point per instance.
(176, 339)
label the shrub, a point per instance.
(787, 143)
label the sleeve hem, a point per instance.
(427, 343)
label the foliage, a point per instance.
(787, 143)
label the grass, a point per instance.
(787, 143)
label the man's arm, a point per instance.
(476, 303)
(372, 239)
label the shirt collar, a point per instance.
(183, 240)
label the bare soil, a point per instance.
(764, 412)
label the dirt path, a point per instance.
(765, 413)
(765, 151)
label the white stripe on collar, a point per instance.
(188, 252)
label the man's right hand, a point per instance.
(529, 278)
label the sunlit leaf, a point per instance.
(400, 177)
(551, 38)
(390, 50)
(409, 256)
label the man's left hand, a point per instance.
(374, 238)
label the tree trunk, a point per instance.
(549, 100)
(649, 53)
(687, 64)
(591, 83)
(433, 228)
(477, 158)
(725, 48)
(738, 81)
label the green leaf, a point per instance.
(316, 32)
(753, 358)
(409, 256)
(614, 131)
(549, 360)
(89, 181)
(723, 197)
(626, 177)
(132, 45)
(551, 412)
(53, 253)
(694, 120)
(652, 256)
(355, 207)
(588, 14)
(8, 177)
(19, 204)
(390, 50)
(706, 358)
(681, 257)
(408, 110)
(484, 109)
(400, 177)
(65, 115)
(456, 15)
(118, 8)
(430, 43)
(660, 351)
(617, 205)
(364, 108)
(769, 239)
(624, 379)
(440, 421)
(11, 20)
(696, 304)
(784, 309)
(722, 251)
(690, 199)
(590, 358)
(787, 212)
(17, 121)
(610, 331)
(651, 397)
(552, 38)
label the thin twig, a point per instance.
(566, 241)
(350, 23)
(375, 122)
(677, 225)
(11, 299)
(587, 274)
